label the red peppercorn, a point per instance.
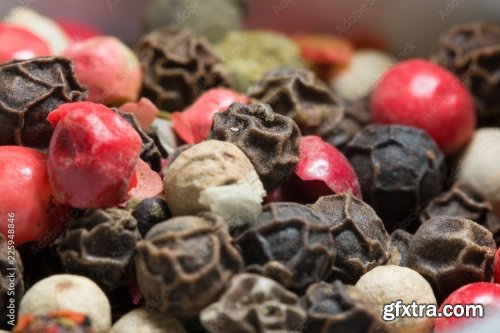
(482, 293)
(92, 155)
(19, 43)
(322, 170)
(25, 195)
(193, 124)
(421, 94)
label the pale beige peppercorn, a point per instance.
(214, 176)
(388, 284)
(68, 292)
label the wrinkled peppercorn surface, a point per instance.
(451, 252)
(400, 169)
(30, 90)
(184, 263)
(472, 52)
(269, 140)
(290, 244)
(339, 308)
(300, 95)
(178, 66)
(360, 236)
(100, 244)
(253, 303)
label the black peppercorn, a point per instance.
(252, 304)
(100, 245)
(360, 237)
(299, 94)
(269, 140)
(465, 201)
(451, 252)
(339, 308)
(472, 52)
(149, 212)
(289, 243)
(400, 240)
(400, 169)
(149, 151)
(30, 90)
(11, 281)
(184, 263)
(178, 66)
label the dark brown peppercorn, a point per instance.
(11, 267)
(472, 52)
(400, 240)
(30, 90)
(360, 237)
(269, 140)
(100, 245)
(299, 94)
(178, 66)
(339, 308)
(290, 244)
(356, 117)
(452, 252)
(149, 212)
(465, 201)
(252, 304)
(149, 152)
(184, 263)
(400, 169)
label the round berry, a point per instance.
(19, 43)
(421, 94)
(25, 195)
(92, 155)
(485, 294)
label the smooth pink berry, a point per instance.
(421, 94)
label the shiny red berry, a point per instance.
(322, 170)
(19, 43)
(421, 94)
(92, 155)
(482, 293)
(25, 195)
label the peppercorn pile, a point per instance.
(257, 185)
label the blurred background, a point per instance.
(409, 26)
